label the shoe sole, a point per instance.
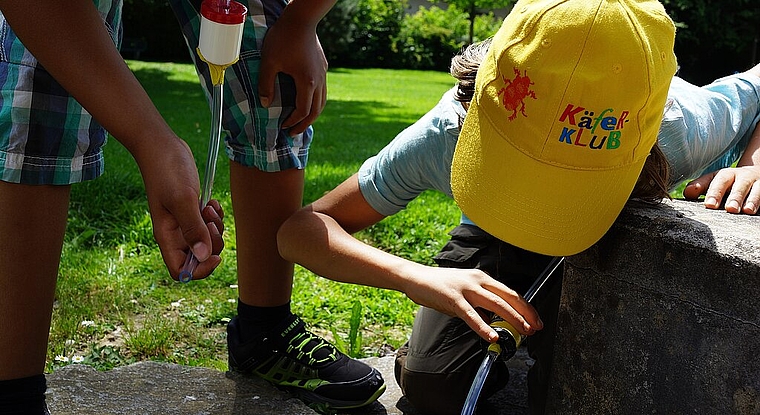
(314, 400)
(324, 405)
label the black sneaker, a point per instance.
(303, 363)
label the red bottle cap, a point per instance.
(218, 12)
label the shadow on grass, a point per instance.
(345, 135)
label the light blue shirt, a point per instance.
(418, 159)
(703, 129)
(707, 128)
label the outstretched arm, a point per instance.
(70, 40)
(742, 184)
(319, 237)
(291, 46)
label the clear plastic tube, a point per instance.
(191, 263)
(477, 385)
(541, 280)
(495, 349)
(213, 146)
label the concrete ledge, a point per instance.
(150, 388)
(159, 388)
(662, 316)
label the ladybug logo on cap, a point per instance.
(515, 91)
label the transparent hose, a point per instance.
(495, 349)
(477, 385)
(191, 263)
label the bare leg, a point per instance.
(32, 226)
(261, 202)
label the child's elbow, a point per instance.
(291, 234)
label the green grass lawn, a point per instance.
(115, 302)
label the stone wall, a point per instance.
(662, 316)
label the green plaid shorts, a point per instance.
(253, 134)
(46, 137)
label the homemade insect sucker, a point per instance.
(221, 35)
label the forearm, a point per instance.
(70, 40)
(751, 155)
(317, 242)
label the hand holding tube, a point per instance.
(213, 215)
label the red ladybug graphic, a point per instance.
(515, 91)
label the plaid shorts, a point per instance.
(253, 134)
(46, 137)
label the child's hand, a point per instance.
(460, 292)
(291, 47)
(172, 186)
(742, 184)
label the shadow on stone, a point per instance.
(148, 388)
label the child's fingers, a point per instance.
(206, 267)
(213, 213)
(752, 203)
(267, 81)
(720, 185)
(303, 116)
(698, 187)
(215, 229)
(512, 307)
(737, 187)
(740, 190)
(474, 320)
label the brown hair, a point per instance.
(464, 67)
(654, 180)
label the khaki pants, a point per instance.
(436, 367)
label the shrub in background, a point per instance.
(153, 22)
(715, 38)
(382, 34)
(377, 24)
(360, 33)
(430, 37)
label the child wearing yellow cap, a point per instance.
(357, 203)
(483, 271)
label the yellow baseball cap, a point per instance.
(567, 105)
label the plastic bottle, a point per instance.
(221, 31)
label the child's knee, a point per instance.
(442, 393)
